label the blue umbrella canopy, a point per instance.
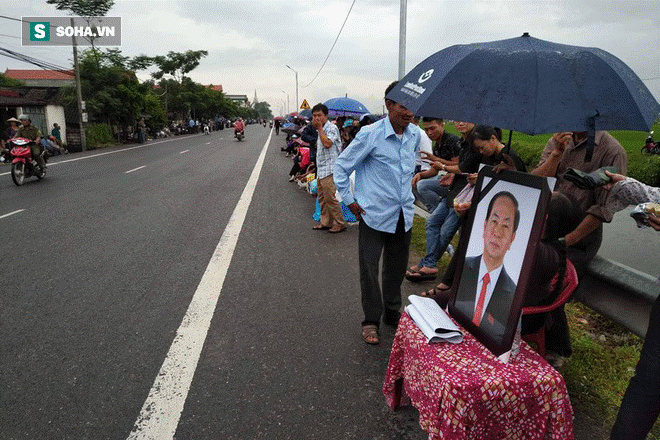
(529, 85)
(345, 107)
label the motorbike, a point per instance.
(23, 165)
(240, 134)
(650, 146)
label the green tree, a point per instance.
(263, 110)
(10, 82)
(113, 93)
(84, 8)
(177, 64)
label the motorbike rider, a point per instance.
(29, 131)
(239, 125)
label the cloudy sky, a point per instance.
(250, 42)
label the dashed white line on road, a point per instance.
(208, 143)
(12, 213)
(161, 411)
(135, 169)
(184, 151)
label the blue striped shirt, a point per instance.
(326, 157)
(384, 166)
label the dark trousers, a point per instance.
(641, 403)
(394, 249)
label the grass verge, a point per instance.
(641, 167)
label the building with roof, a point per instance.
(217, 88)
(241, 100)
(43, 78)
(41, 104)
(41, 100)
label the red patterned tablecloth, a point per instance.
(463, 392)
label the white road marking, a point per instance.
(104, 154)
(161, 411)
(12, 213)
(109, 152)
(208, 143)
(135, 169)
(184, 151)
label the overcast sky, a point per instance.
(250, 42)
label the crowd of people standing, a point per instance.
(394, 166)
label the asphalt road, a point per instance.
(101, 260)
(627, 244)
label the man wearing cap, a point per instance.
(383, 158)
(29, 131)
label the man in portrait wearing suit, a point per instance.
(486, 291)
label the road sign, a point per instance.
(304, 105)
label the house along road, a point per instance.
(176, 290)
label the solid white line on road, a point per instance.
(184, 151)
(12, 213)
(135, 169)
(161, 411)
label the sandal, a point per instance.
(420, 275)
(437, 290)
(440, 295)
(412, 269)
(320, 227)
(370, 334)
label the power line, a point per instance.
(28, 59)
(10, 36)
(11, 18)
(333, 46)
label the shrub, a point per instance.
(99, 136)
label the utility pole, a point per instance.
(288, 107)
(76, 70)
(402, 39)
(296, 72)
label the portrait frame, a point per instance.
(497, 327)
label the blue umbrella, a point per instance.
(529, 85)
(345, 107)
(290, 128)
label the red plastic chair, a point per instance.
(570, 283)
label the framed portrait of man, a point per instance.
(496, 252)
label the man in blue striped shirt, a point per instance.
(328, 147)
(383, 158)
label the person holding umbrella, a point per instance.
(567, 150)
(383, 158)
